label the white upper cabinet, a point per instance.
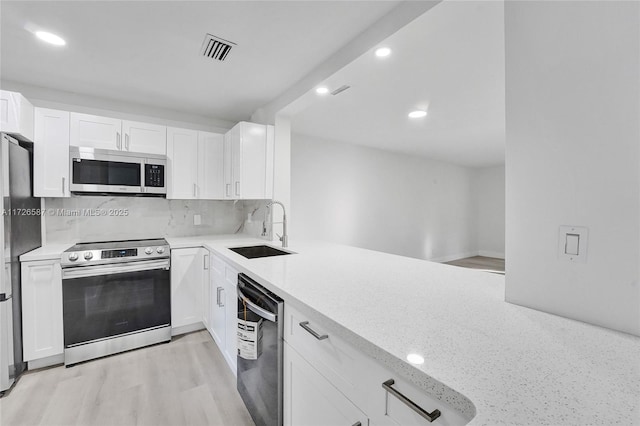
(144, 137)
(16, 115)
(95, 132)
(210, 165)
(110, 133)
(182, 163)
(51, 153)
(248, 170)
(195, 164)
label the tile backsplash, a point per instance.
(100, 218)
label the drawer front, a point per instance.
(385, 408)
(330, 355)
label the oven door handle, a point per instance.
(256, 309)
(93, 271)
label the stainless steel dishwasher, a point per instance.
(260, 380)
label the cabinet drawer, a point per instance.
(385, 408)
(330, 355)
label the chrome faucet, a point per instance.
(285, 237)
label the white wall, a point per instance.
(380, 200)
(488, 189)
(573, 157)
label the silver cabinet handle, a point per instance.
(228, 191)
(305, 325)
(205, 262)
(237, 188)
(118, 144)
(194, 189)
(126, 141)
(221, 298)
(63, 182)
(218, 296)
(406, 401)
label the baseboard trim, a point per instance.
(45, 362)
(184, 329)
(451, 257)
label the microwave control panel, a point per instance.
(154, 175)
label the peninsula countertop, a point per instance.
(517, 366)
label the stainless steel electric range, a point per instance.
(116, 297)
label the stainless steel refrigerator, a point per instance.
(20, 233)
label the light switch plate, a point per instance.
(573, 243)
(197, 219)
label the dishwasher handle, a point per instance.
(269, 316)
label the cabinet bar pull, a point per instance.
(305, 325)
(118, 144)
(205, 261)
(218, 296)
(126, 141)
(194, 190)
(237, 188)
(406, 401)
(63, 182)
(228, 190)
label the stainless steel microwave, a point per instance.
(105, 171)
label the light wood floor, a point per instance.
(185, 382)
(480, 262)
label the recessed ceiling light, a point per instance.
(417, 114)
(381, 52)
(322, 90)
(415, 359)
(50, 38)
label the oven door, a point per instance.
(98, 170)
(105, 301)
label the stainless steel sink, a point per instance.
(253, 252)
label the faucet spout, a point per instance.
(285, 236)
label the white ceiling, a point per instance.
(147, 52)
(449, 61)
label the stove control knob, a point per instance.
(148, 250)
(88, 255)
(160, 250)
(73, 257)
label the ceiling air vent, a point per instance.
(215, 47)
(340, 90)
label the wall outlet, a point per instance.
(572, 243)
(197, 220)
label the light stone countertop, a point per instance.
(516, 365)
(505, 364)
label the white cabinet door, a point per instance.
(51, 153)
(16, 115)
(206, 291)
(218, 302)
(253, 161)
(211, 165)
(144, 137)
(182, 156)
(311, 400)
(231, 314)
(229, 143)
(249, 149)
(95, 132)
(42, 329)
(187, 277)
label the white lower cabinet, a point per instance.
(328, 382)
(311, 400)
(42, 330)
(217, 301)
(189, 271)
(223, 303)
